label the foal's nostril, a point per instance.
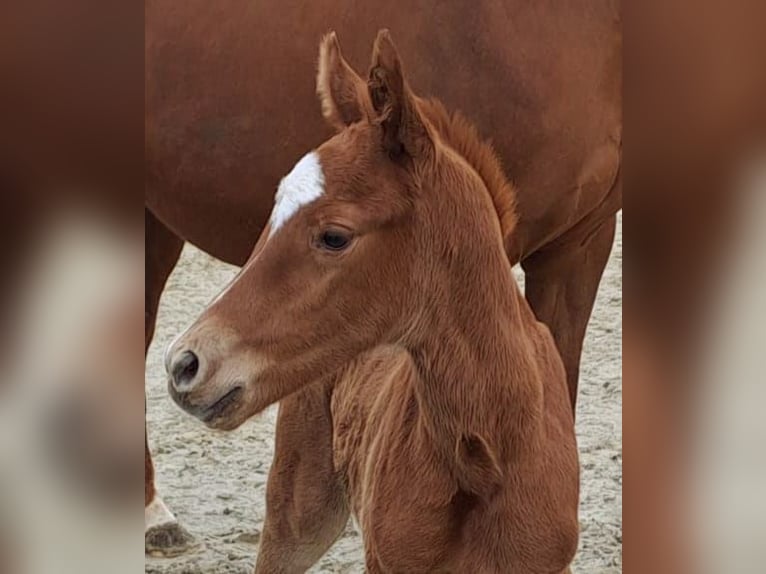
(184, 369)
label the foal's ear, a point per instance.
(342, 92)
(404, 130)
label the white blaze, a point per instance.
(304, 184)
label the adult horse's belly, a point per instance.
(231, 103)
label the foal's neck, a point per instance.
(476, 358)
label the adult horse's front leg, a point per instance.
(561, 283)
(306, 505)
(162, 533)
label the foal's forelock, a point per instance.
(303, 185)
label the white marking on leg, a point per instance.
(157, 514)
(304, 184)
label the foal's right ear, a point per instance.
(342, 92)
(405, 131)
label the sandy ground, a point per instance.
(215, 482)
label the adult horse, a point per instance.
(230, 105)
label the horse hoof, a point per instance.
(168, 540)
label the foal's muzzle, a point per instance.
(210, 373)
(191, 387)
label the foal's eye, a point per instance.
(334, 240)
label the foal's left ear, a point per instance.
(342, 92)
(405, 132)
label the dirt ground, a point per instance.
(215, 482)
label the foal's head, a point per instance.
(370, 234)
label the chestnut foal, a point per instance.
(380, 302)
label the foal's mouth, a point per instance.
(209, 414)
(219, 408)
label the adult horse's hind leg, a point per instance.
(306, 507)
(162, 533)
(561, 283)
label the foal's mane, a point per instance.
(461, 135)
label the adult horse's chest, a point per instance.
(401, 495)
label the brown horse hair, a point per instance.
(459, 133)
